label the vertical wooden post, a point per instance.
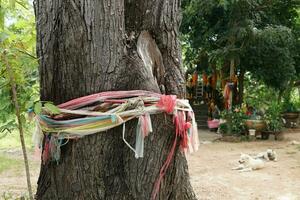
(231, 79)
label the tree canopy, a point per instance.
(261, 35)
(271, 57)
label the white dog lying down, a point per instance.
(247, 163)
(267, 155)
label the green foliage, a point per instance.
(262, 36)
(12, 196)
(37, 107)
(272, 117)
(188, 54)
(291, 100)
(52, 109)
(45, 107)
(17, 49)
(289, 106)
(281, 12)
(7, 163)
(257, 93)
(271, 57)
(222, 28)
(10, 8)
(235, 122)
(12, 141)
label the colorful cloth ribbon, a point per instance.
(102, 111)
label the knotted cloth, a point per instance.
(102, 111)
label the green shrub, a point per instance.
(235, 122)
(289, 106)
(272, 118)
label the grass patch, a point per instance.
(12, 140)
(11, 196)
(9, 163)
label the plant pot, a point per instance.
(258, 125)
(290, 118)
(278, 135)
(290, 115)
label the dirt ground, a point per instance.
(213, 179)
(210, 171)
(13, 183)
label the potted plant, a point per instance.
(255, 122)
(274, 123)
(234, 122)
(290, 113)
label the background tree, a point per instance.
(223, 29)
(17, 39)
(233, 30)
(275, 48)
(91, 46)
(18, 83)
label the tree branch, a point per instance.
(26, 53)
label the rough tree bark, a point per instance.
(90, 46)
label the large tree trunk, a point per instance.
(85, 47)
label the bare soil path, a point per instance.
(213, 179)
(13, 179)
(210, 171)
